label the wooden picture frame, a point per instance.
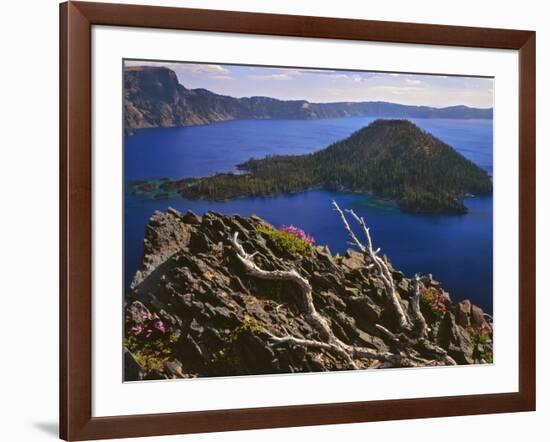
(76, 21)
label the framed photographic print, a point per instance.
(337, 213)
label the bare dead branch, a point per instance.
(380, 265)
(419, 322)
(412, 327)
(330, 342)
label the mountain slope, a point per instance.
(391, 158)
(155, 98)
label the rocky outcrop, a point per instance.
(165, 235)
(194, 310)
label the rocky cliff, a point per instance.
(207, 302)
(155, 98)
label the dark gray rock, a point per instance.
(218, 317)
(462, 312)
(132, 370)
(454, 338)
(478, 318)
(190, 218)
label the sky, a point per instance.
(323, 85)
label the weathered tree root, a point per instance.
(329, 342)
(420, 327)
(403, 342)
(412, 327)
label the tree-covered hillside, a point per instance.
(390, 158)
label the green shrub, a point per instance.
(434, 300)
(249, 325)
(149, 340)
(287, 241)
(227, 359)
(481, 335)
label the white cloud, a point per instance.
(191, 68)
(397, 88)
(337, 76)
(380, 91)
(325, 85)
(299, 71)
(290, 73)
(199, 69)
(271, 77)
(216, 68)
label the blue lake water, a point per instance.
(457, 250)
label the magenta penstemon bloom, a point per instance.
(299, 233)
(136, 329)
(159, 325)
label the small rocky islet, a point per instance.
(194, 308)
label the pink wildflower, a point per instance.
(159, 325)
(136, 329)
(299, 233)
